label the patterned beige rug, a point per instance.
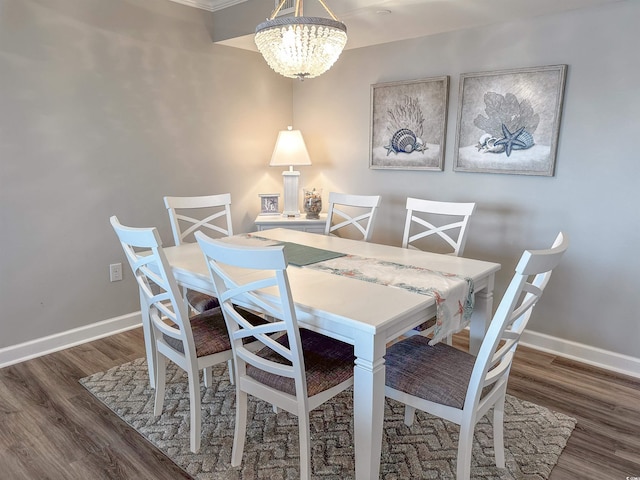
(534, 436)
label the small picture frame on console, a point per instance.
(269, 203)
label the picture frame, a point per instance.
(269, 203)
(408, 124)
(509, 121)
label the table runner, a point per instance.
(303, 255)
(454, 295)
(295, 253)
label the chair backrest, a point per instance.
(493, 363)
(167, 312)
(352, 211)
(210, 213)
(263, 268)
(421, 214)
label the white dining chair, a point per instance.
(298, 371)
(445, 224)
(195, 343)
(352, 215)
(208, 213)
(446, 221)
(456, 386)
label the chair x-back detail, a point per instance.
(185, 222)
(297, 371)
(453, 233)
(458, 387)
(348, 211)
(193, 344)
(208, 213)
(428, 218)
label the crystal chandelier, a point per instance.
(301, 47)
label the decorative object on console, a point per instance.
(408, 124)
(290, 150)
(312, 202)
(269, 203)
(301, 47)
(509, 121)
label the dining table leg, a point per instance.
(368, 406)
(481, 316)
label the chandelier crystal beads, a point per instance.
(301, 47)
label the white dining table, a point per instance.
(364, 314)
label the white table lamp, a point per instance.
(290, 150)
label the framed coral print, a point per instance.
(509, 121)
(408, 124)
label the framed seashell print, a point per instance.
(509, 121)
(408, 124)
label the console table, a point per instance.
(301, 223)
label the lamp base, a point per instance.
(290, 179)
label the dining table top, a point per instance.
(359, 305)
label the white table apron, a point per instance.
(366, 315)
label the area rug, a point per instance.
(534, 435)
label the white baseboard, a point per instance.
(605, 359)
(580, 352)
(53, 343)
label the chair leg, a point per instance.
(465, 444)
(409, 414)
(195, 413)
(160, 381)
(305, 446)
(241, 428)
(232, 372)
(149, 341)
(207, 376)
(498, 432)
(190, 309)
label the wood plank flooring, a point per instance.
(52, 428)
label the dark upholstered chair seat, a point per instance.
(201, 302)
(448, 370)
(328, 363)
(210, 333)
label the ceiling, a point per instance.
(371, 22)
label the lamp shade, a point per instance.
(290, 149)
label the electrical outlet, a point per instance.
(115, 272)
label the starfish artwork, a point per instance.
(511, 140)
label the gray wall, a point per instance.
(106, 106)
(593, 296)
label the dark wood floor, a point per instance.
(51, 428)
